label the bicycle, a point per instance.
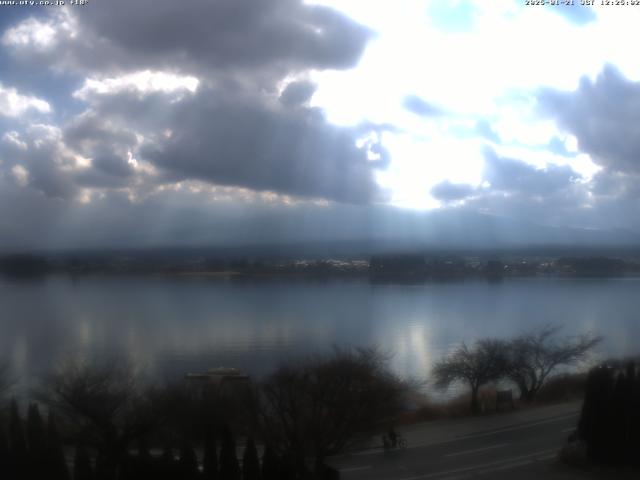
(389, 443)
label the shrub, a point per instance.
(609, 422)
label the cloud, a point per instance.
(511, 188)
(21, 175)
(187, 213)
(39, 160)
(244, 142)
(140, 142)
(298, 93)
(14, 104)
(420, 107)
(450, 192)
(558, 146)
(604, 116)
(577, 14)
(553, 195)
(106, 145)
(143, 82)
(12, 138)
(456, 16)
(30, 33)
(173, 93)
(94, 129)
(512, 175)
(165, 123)
(484, 129)
(231, 36)
(616, 185)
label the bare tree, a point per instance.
(534, 355)
(484, 362)
(104, 405)
(319, 408)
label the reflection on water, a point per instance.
(170, 326)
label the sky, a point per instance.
(149, 123)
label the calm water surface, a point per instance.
(170, 326)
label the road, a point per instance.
(519, 444)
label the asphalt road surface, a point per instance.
(516, 445)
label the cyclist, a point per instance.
(393, 437)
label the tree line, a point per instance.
(105, 423)
(526, 360)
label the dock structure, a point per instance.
(218, 375)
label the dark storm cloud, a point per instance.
(553, 196)
(47, 178)
(95, 178)
(114, 165)
(51, 181)
(616, 185)
(242, 142)
(297, 93)
(604, 116)
(87, 131)
(108, 148)
(516, 189)
(230, 132)
(512, 175)
(258, 37)
(447, 191)
(237, 130)
(420, 107)
(228, 137)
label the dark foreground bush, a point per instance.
(562, 388)
(322, 407)
(112, 423)
(609, 423)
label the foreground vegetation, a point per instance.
(560, 388)
(527, 361)
(609, 426)
(118, 427)
(105, 423)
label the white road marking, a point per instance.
(482, 434)
(500, 464)
(377, 450)
(355, 469)
(519, 463)
(475, 450)
(517, 427)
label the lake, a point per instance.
(169, 326)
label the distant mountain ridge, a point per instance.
(436, 232)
